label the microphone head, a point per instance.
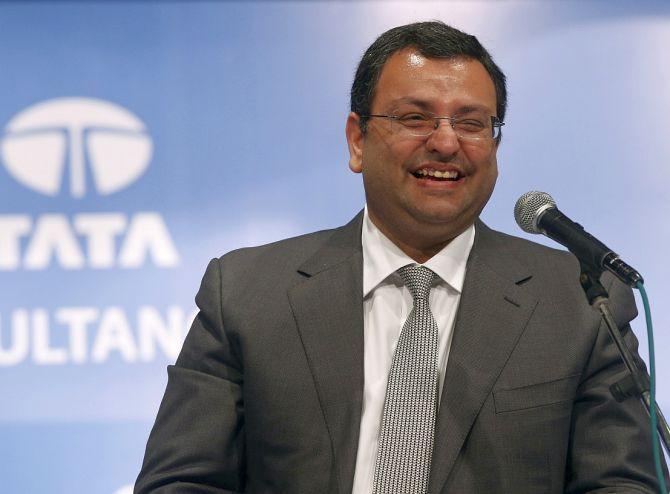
(529, 208)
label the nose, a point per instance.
(443, 140)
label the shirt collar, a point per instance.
(382, 258)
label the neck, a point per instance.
(416, 244)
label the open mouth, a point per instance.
(445, 176)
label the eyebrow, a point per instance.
(412, 101)
(463, 110)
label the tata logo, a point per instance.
(84, 141)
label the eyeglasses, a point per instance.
(471, 127)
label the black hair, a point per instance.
(433, 39)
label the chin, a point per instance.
(447, 220)
(438, 213)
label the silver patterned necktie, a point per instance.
(408, 420)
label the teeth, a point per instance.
(436, 173)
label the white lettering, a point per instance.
(54, 239)
(18, 350)
(12, 228)
(114, 334)
(53, 236)
(92, 335)
(77, 319)
(43, 353)
(153, 329)
(100, 230)
(147, 234)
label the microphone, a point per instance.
(536, 212)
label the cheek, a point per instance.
(489, 179)
(493, 168)
(389, 154)
(483, 161)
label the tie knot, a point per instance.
(418, 280)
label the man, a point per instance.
(333, 363)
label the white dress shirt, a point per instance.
(386, 305)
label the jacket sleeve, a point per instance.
(197, 442)
(610, 446)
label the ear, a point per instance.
(355, 140)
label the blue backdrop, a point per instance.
(140, 139)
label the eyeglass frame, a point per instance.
(496, 123)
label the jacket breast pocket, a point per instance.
(536, 395)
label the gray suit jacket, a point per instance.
(266, 394)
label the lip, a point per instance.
(438, 185)
(438, 167)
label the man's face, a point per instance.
(400, 200)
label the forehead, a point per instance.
(440, 84)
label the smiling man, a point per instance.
(413, 350)
(427, 177)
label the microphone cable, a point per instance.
(652, 389)
(528, 212)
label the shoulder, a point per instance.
(292, 254)
(506, 251)
(275, 267)
(287, 253)
(548, 272)
(243, 277)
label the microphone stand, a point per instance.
(636, 382)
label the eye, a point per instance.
(414, 119)
(470, 125)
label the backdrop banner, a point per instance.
(140, 139)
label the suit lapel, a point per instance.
(492, 315)
(328, 309)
